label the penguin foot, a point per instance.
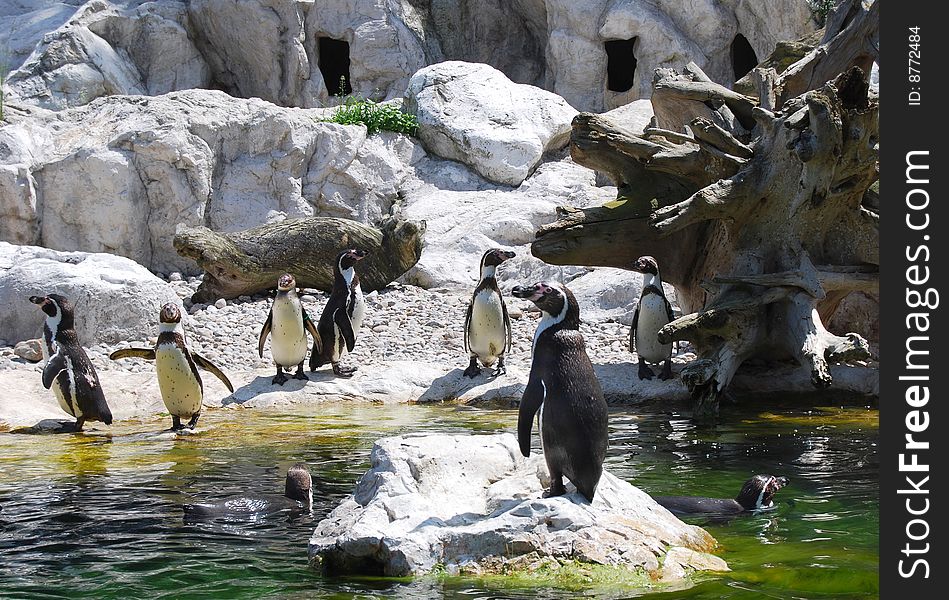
(666, 371)
(473, 369)
(279, 379)
(300, 374)
(644, 371)
(176, 423)
(500, 369)
(194, 421)
(342, 371)
(557, 488)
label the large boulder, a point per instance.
(115, 299)
(474, 114)
(119, 174)
(473, 504)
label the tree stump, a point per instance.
(250, 261)
(759, 216)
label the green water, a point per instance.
(99, 515)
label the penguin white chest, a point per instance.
(180, 390)
(358, 309)
(287, 335)
(652, 317)
(486, 335)
(71, 406)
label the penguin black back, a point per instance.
(757, 493)
(563, 388)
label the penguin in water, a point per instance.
(68, 370)
(342, 316)
(652, 313)
(756, 494)
(487, 326)
(287, 325)
(181, 387)
(563, 390)
(297, 497)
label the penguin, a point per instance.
(68, 370)
(181, 387)
(563, 390)
(652, 313)
(487, 326)
(756, 494)
(287, 325)
(297, 496)
(342, 316)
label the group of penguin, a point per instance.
(562, 391)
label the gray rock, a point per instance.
(31, 350)
(473, 503)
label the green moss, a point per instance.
(569, 575)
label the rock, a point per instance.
(31, 350)
(139, 166)
(115, 299)
(474, 114)
(473, 503)
(220, 303)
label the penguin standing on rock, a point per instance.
(181, 387)
(652, 313)
(487, 325)
(563, 390)
(342, 316)
(287, 324)
(68, 370)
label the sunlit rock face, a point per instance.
(473, 504)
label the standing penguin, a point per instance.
(287, 325)
(487, 326)
(563, 387)
(68, 370)
(652, 313)
(181, 387)
(342, 316)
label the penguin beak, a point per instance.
(358, 254)
(778, 482)
(532, 293)
(39, 300)
(506, 255)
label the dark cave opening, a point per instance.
(620, 64)
(744, 58)
(334, 65)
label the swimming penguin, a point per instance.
(287, 325)
(562, 387)
(756, 494)
(297, 496)
(68, 370)
(652, 313)
(342, 316)
(487, 326)
(181, 387)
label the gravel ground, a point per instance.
(402, 322)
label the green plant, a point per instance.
(376, 117)
(820, 9)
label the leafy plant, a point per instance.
(376, 117)
(820, 9)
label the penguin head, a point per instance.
(646, 264)
(170, 313)
(347, 258)
(299, 484)
(55, 306)
(554, 299)
(286, 283)
(495, 256)
(758, 492)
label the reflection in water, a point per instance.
(100, 515)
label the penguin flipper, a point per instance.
(345, 328)
(209, 366)
(264, 332)
(507, 324)
(530, 403)
(632, 330)
(55, 366)
(317, 340)
(146, 353)
(468, 322)
(669, 312)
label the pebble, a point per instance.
(221, 303)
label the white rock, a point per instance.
(220, 303)
(474, 114)
(114, 298)
(475, 503)
(31, 350)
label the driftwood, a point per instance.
(761, 219)
(250, 261)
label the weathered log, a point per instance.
(250, 261)
(739, 215)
